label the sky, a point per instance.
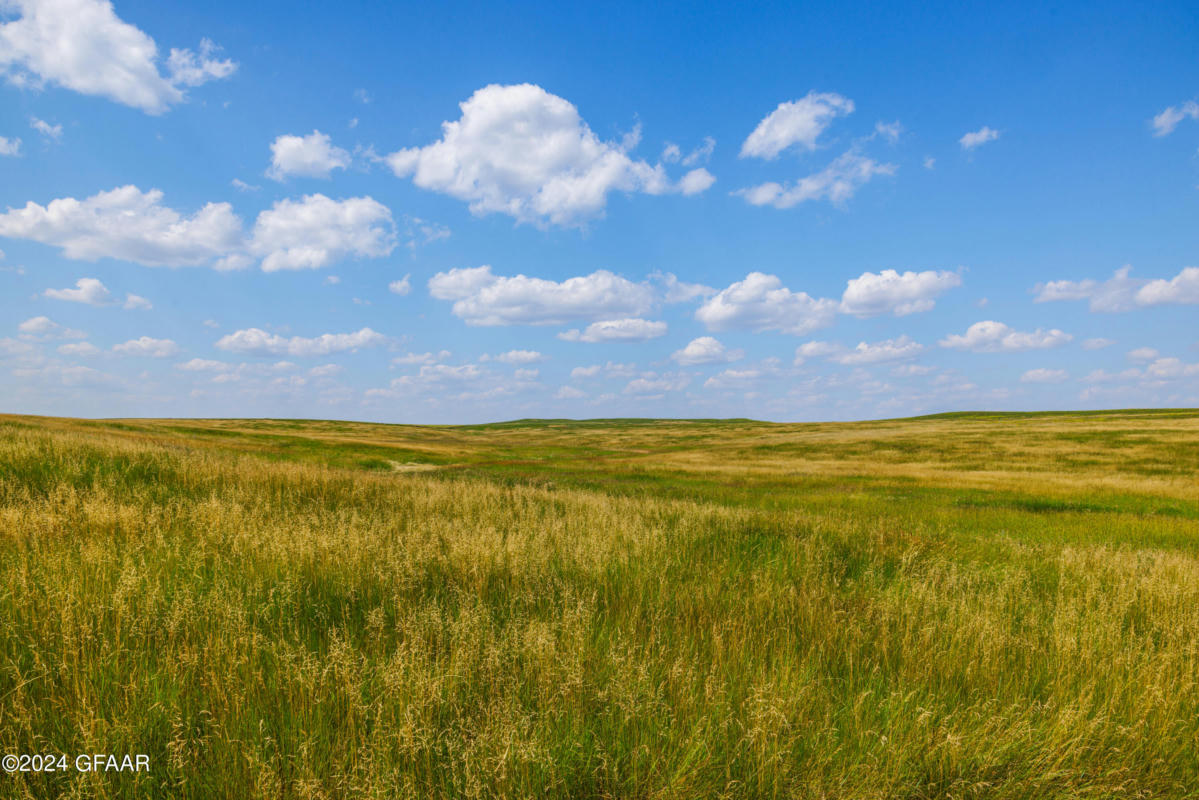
(453, 213)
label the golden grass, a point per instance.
(950, 607)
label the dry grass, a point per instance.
(950, 607)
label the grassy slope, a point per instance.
(958, 605)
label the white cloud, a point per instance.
(930, 162)
(888, 350)
(1043, 375)
(189, 69)
(317, 231)
(516, 357)
(83, 46)
(46, 129)
(88, 290)
(1122, 292)
(421, 358)
(482, 298)
(995, 337)
(892, 292)
(978, 138)
(1182, 289)
(258, 342)
(796, 122)
(585, 372)
(147, 346)
(204, 365)
(1143, 354)
(1165, 122)
(656, 384)
(128, 224)
(10, 147)
(136, 301)
(1170, 368)
(79, 349)
(837, 183)
(705, 350)
(1097, 343)
(311, 156)
(41, 328)
(816, 350)
(569, 393)
(131, 225)
(674, 290)
(401, 287)
(733, 379)
(696, 181)
(617, 330)
(242, 186)
(762, 303)
(521, 151)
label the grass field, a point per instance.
(958, 606)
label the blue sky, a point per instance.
(453, 213)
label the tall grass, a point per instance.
(671, 623)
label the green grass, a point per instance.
(968, 605)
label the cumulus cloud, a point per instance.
(147, 346)
(891, 292)
(796, 122)
(1043, 375)
(705, 350)
(94, 293)
(837, 183)
(83, 46)
(88, 290)
(521, 151)
(1122, 292)
(1143, 354)
(1171, 368)
(873, 353)
(311, 156)
(978, 138)
(516, 357)
(128, 224)
(46, 129)
(673, 290)
(42, 328)
(656, 384)
(10, 147)
(483, 298)
(79, 349)
(569, 393)
(256, 341)
(190, 69)
(401, 287)
(995, 337)
(131, 225)
(317, 231)
(816, 350)
(421, 358)
(1097, 343)
(1165, 122)
(762, 303)
(1182, 289)
(617, 330)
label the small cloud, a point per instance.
(569, 393)
(137, 302)
(401, 287)
(242, 186)
(930, 162)
(10, 147)
(46, 129)
(1143, 354)
(1097, 344)
(617, 330)
(1043, 375)
(978, 138)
